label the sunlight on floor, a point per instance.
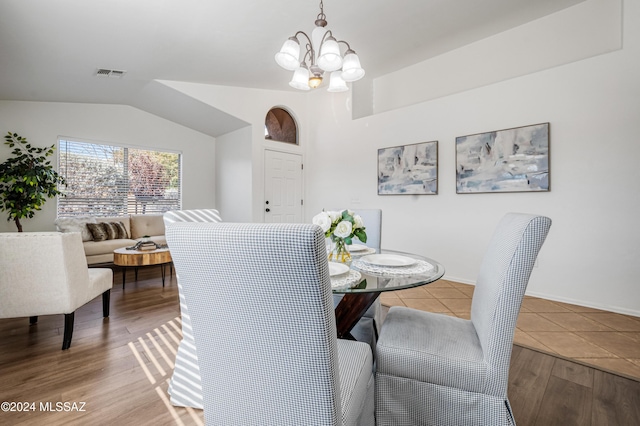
(155, 354)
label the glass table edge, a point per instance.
(421, 279)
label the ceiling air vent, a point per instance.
(103, 72)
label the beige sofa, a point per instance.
(138, 226)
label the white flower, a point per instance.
(323, 220)
(358, 223)
(334, 215)
(343, 229)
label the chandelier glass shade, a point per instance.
(336, 83)
(322, 51)
(300, 78)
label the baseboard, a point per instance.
(571, 301)
(608, 308)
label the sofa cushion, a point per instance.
(76, 224)
(121, 230)
(112, 230)
(146, 224)
(100, 258)
(100, 232)
(93, 248)
(124, 219)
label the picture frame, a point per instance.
(509, 160)
(408, 169)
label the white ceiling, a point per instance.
(50, 50)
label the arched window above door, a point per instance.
(280, 126)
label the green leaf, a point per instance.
(362, 285)
(362, 236)
(26, 181)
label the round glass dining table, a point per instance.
(370, 274)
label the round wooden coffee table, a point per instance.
(128, 258)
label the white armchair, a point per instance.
(46, 273)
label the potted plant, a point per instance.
(27, 179)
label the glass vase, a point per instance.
(339, 252)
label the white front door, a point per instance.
(282, 187)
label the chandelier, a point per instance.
(323, 53)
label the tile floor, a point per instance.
(606, 340)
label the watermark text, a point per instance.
(51, 406)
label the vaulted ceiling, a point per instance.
(51, 50)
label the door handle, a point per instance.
(267, 210)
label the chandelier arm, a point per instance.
(342, 41)
(310, 50)
(304, 34)
(327, 34)
(308, 53)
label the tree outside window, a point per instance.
(105, 180)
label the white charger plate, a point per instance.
(388, 260)
(336, 269)
(356, 247)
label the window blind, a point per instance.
(107, 180)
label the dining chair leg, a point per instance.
(33, 320)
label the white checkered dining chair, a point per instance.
(185, 388)
(259, 297)
(434, 369)
(372, 219)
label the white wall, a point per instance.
(233, 169)
(252, 106)
(587, 29)
(42, 122)
(591, 256)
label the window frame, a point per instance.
(268, 135)
(130, 203)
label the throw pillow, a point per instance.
(98, 231)
(76, 224)
(111, 230)
(122, 231)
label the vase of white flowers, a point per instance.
(340, 227)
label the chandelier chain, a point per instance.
(321, 15)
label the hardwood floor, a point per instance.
(545, 390)
(119, 368)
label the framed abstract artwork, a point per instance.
(408, 169)
(510, 160)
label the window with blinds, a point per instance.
(107, 180)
